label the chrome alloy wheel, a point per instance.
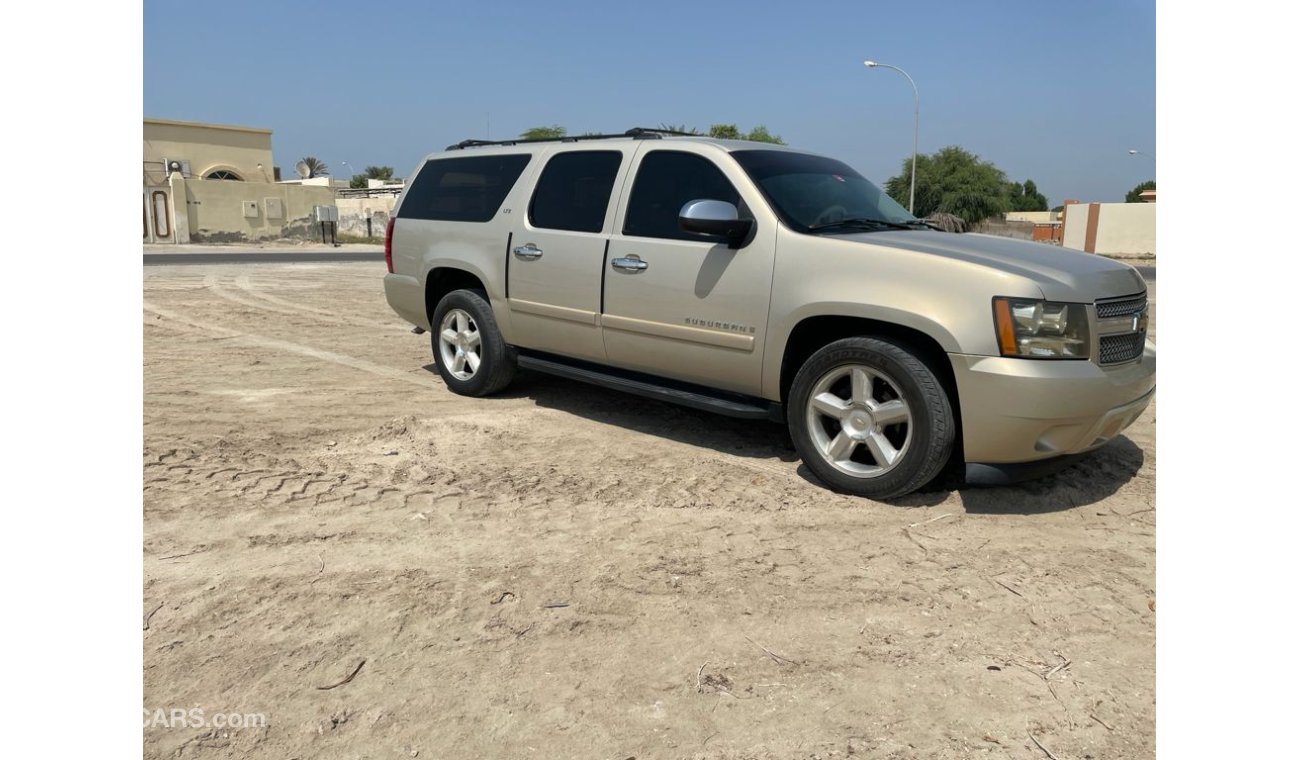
(858, 420)
(459, 344)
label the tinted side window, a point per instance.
(666, 181)
(469, 189)
(574, 189)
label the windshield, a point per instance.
(813, 192)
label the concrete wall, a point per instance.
(326, 181)
(1115, 228)
(1037, 217)
(207, 147)
(1076, 225)
(1127, 228)
(1017, 230)
(232, 212)
(354, 211)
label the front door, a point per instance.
(678, 304)
(557, 249)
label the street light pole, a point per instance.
(916, 128)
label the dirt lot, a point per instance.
(565, 571)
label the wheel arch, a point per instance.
(442, 280)
(812, 333)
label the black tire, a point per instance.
(928, 435)
(497, 360)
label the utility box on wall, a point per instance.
(250, 209)
(274, 208)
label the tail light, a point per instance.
(388, 244)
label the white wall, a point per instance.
(1076, 226)
(1127, 228)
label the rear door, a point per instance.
(557, 251)
(680, 305)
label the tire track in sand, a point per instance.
(262, 341)
(262, 302)
(244, 283)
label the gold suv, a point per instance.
(764, 282)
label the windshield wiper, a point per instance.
(863, 223)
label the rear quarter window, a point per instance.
(469, 189)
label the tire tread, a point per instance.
(938, 445)
(500, 360)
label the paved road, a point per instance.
(272, 257)
(316, 257)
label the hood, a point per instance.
(1062, 273)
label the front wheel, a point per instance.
(468, 348)
(870, 418)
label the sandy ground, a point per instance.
(565, 571)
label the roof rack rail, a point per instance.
(639, 133)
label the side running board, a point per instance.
(649, 386)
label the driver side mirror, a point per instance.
(709, 217)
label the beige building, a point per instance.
(207, 151)
(216, 183)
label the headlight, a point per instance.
(1041, 329)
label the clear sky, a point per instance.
(1054, 92)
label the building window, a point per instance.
(223, 174)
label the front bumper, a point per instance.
(1022, 410)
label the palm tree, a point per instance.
(359, 181)
(316, 167)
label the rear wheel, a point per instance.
(870, 418)
(471, 355)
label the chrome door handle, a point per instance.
(528, 251)
(629, 264)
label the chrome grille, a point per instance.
(1122, 327)
(1121, 307)
(1121, 348)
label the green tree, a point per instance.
(316, 167)
(954, 181)
(732, 132)
(725, 132)
(1026, 197)
(372, 172)
(553, 132)
(1135, 195)
(760, 134)
(728, 132)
